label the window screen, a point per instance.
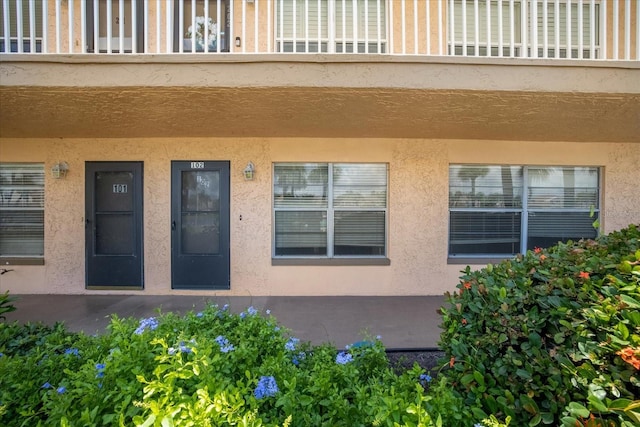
(330, 210)
(504, 210)
(21, 210)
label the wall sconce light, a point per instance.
(59, 170)
(249, 172)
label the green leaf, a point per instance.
(570, 422)
(632, 303)
(535, 420)
(578, 409)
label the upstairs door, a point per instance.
(113, 231)
(200, 225)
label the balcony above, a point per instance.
(420, 76)
(558, 29)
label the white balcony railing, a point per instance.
(580, 29)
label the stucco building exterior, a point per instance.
(278, 161)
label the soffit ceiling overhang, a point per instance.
(351, 96)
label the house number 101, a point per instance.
(197, 165)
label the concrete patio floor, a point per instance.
(403, 322)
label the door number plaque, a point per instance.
(120, 188)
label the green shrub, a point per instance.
(6, 305)
(207, 368)
(551, 337)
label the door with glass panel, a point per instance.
(115, 26)
(113, 225)
(200, 225)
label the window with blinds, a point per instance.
(21, 210)
(330, 209)
(23, 27)
(505, 210)
(334, 26)
(564, 28)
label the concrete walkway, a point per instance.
(405, 322)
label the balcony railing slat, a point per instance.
(549, 29)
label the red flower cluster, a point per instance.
(630, 355)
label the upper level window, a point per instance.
(330, 209)
(21, 210)
(499, 211)
(333, 26)
(563, 30)
(24, 23)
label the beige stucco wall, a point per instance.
(418, 217)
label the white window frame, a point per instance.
(524, 210)
(21, 197)
(467, 34)
(330, 209)
(334, 33)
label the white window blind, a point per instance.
(501, 210)
(505, 19)
(330, 210)
(499, 24)
(21, 210)
(331, 25)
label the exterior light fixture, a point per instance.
(249, 172)
(59, 170)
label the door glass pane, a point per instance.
(115, 25)
(201, 233)
(359, 233)
(301, 233)
(200, 191)
(200, 219)
(114, 234)
(114, 191)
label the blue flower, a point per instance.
(61, 389)
(252, 311)
(426, 378)
(46, 385)
(224, 344)
(343, 358)
(243, 315)
(185, 349)
(277, 328)
(225, 307)
(267, 387)
(291, 344)
(73, 351)
(297, 358)
(100, 366)
(150, 323)
(478, 425)
(268, 311)
(100, 374)
(171, 351)
(199, 314)
(1, 354)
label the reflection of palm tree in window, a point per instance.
(291, 178)
(472, 173)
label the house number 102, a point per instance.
(197, 165)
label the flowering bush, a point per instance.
(552, 336)
(207, 368)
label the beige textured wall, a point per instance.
(418, 219)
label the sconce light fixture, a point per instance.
(59, 170)
(249, 172)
